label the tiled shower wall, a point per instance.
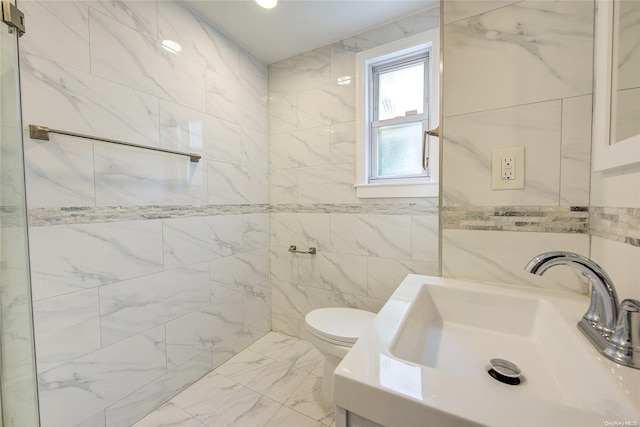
(148, 270)
(517, 74)
(365, 247)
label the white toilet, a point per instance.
(333, 331)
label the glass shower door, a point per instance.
(18, 391)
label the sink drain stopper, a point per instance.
(505, 371)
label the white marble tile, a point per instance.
(255, 148)
(468, 143)
(138, 304)
(133, 248)
(339, 299)
(197, 36)
(206, 396)
(302, 355)
(169, 415)
(17, 335)
(246, 409)
(257, 304)
(286, 325)
(384, 274)
(241, 272)
(283, 265)
(343, 143)
(327, 105)
(134, 176)
(253, 107)
(283, 113)
(59, 172)
(289, 417)
(343, 63)
(300, 148)
(74, 391)
(427, 20)
(283, 186)
(184, 129)
(196, 239)
(523, 53)
(64, 98)
(500, 256)
(303, 230)
(140, 15)
(243, 367)
(308, 70)
(237, 184)
(197, 331)
(387, 236)
(141, 402)
(457, 10)
(384, 34)
(222, 97)
(575, 165)
(327, 184)
(254, 74)
(123, 55)
(221, 353)
(66, 327)
(295, 300)
(620, 261)
(278, 381)
(273, 345)
(255, 231)
(57, 31)
(97, 420)
(307, 400)
(425, 238)
(334, 271)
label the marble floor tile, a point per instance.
(244, 366)
(168, 415)
(274, 383)
(307, 400)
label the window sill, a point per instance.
(397, 189)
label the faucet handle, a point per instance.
(626, 337)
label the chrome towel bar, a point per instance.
(42, 133)
(293, 248)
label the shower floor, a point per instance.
(274, 382)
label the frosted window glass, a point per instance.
(400, 150)
(401, 90)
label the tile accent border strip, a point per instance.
(93, 214)
(546, 219)
(373, 208)
(619, 224)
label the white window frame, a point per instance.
(396, 187)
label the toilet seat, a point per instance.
(341, 326)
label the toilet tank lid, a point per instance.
(341, 324)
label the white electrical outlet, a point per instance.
(507, 171)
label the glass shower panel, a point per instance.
(17, 362)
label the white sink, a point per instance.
(426, 357)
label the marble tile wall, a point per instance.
(148, 270)
(517, 74)
(365, 247)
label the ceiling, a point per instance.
(297, 26)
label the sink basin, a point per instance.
(426, 360)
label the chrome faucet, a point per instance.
(613, 329)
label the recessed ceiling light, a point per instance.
(171, 46)
(267, 4)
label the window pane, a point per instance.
(401, 90)
(400, 150)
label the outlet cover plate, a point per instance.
(497, 156)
